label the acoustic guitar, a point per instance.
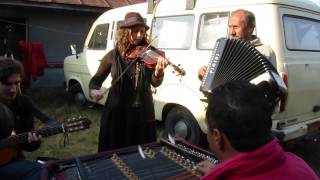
(8, 150)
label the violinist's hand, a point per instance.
(33, 138)
(97, 94)
(161, 65)
(204, 167)
(202, 72)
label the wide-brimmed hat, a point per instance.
(132, 19)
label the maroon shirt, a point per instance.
(267, 162)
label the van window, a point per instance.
(119, 24)
(302, 33)
(212, 26)
(173, 32)
(98, 40)
(115, 30)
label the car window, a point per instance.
(173, 32)
(98, 40)
(212, 26)
(301, 33)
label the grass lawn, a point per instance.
(53, 102)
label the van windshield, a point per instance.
(212, 27)
(98, 40)
(173, 32)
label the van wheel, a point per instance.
(76, 95)
(181, 123)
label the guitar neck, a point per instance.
(23, 137)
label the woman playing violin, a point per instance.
(128, 116)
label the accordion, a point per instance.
(163, 160)
(234, 59)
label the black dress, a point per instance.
(128, 116)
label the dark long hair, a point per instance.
(123, 41)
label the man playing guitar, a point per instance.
(16, 116)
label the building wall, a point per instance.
(56, 30)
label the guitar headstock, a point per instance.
(76, 124)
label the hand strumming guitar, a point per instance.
(34, 138)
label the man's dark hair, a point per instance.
(9, 67)
(242, 112)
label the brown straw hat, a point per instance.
(132, 19)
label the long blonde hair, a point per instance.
(123, 40)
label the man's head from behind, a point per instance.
(241, 24)
(11, 72)
(238, 118)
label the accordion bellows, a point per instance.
(234, 59)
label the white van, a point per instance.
(79, 68)
(187, 31)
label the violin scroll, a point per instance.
(179, 70)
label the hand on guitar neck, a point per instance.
(8, 146)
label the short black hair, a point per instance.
(9, 67)
(242, 112)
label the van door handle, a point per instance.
(316, 108)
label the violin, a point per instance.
(137, 54)
(149, 56)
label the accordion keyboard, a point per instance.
(234, 59)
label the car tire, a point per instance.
(76, 95)
(181, 123)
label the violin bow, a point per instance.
(181, 71)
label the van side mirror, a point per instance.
(74, 50)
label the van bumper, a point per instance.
(290, 133)
(296, 131)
